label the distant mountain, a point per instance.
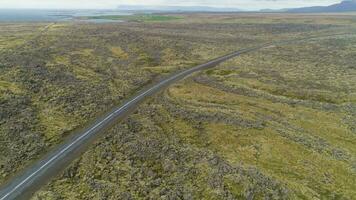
(344, 6)
(273, 10)
(176, 8)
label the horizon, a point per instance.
(244, 5)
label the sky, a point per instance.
(111, 4)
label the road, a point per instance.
(24, 185)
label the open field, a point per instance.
(137, 18)
(245, 130)
(61, 76)
(278, 123)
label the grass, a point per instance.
(57, 77)
(56, 124)
(292, 162)
(118, 52)
(6, 85)
(298, 142)
(278, 123)
(138, 17)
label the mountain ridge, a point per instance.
(344, 6)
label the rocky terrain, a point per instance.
(278, 123)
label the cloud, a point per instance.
(101, 4)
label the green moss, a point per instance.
(143, 18)
(277, 123)
(9, 86)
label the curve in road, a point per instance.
(33, 177)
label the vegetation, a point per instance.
(221, 135)
(283, 111)
(278, 123)
(56, 78)
(137, 17)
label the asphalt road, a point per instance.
(24, 185)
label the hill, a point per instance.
(344, 6)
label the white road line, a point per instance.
(94, 127)
(187, 72)
(53, 158)
(111, 115)
(104, 120)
